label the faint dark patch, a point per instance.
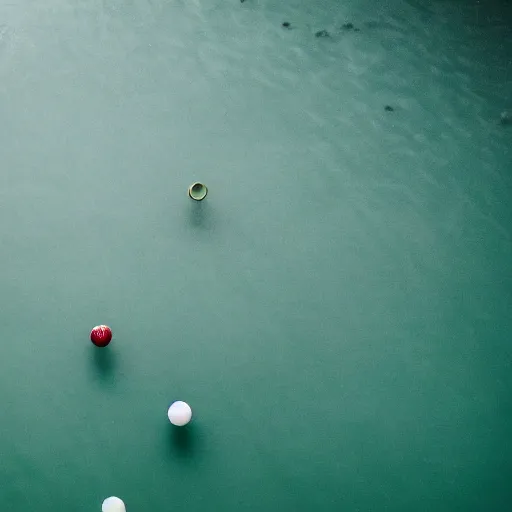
(389, 108)
(183, 442)
(506, 118)
(422, 7)
(348, 26)
(200, 214)
(382, 25)
(375, 24)
(286, 24)
(104, 363)
(322, 33)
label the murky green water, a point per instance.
(337, 312)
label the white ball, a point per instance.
(179, 413)
(113, 504)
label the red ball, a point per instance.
(101, 335)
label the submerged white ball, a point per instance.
(113, 504)
(179, 413)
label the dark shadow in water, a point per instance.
(200, 215)
(183, 442)
(104, 363)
